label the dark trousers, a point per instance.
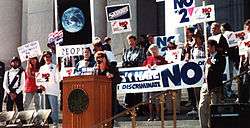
(194, 96)
(244, 89)
(1, 99)
(18, 101)
(132, 99)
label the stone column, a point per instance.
(98, 17)
(10, 24)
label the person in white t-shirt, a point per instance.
(51, 89)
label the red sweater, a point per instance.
(158, 60)
(30, 83)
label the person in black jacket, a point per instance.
(2, 69)
(211, 92)
(103, 67)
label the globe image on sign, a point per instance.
(73, 20)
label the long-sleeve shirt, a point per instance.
(52, 88)
(11, 74)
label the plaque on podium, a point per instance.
(87, 101)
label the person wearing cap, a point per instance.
(52, 87)
(14, 81)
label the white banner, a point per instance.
(29, 50)
(121, 26)
(71, 50)
(164, 77)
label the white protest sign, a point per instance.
(29, 50)
(70, 50)
(56, 37)
(178, 13)
(163, 77)
(203, 14)
(67, 71)
(121, 26)
(162, 42)
(173, 56)
(240, 35)
(231, 39)
(244, 46)
(43, 78)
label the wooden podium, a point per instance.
(87, 101)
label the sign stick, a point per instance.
(205, 31)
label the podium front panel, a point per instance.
(87, 101)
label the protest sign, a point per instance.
(162, 42)
(70, 50)
(203, 14)
(182, 13)
(173, 56)
(244, 46)
(164, 77)
(118, 12)
(56, 37)
(43, 78)
(121, 26)
(29, 50)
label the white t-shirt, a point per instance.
(52, 88)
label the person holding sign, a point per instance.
(153, 60)
(244, 89)
(51, 86)
(211, 92)
(30, 87)
(14, 81)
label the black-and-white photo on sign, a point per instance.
(118, 12)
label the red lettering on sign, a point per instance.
(206, 10)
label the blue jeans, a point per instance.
(52, 102)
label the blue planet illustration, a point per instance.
(73, 20)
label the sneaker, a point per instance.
(150, 118)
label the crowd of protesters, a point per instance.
(20, 86)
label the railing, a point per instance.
(133, 110)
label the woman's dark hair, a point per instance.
(226, 26)
(91, 54)
(37, 66)
(212, 43)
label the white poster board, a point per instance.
(29, 50)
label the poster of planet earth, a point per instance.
(73, 20)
